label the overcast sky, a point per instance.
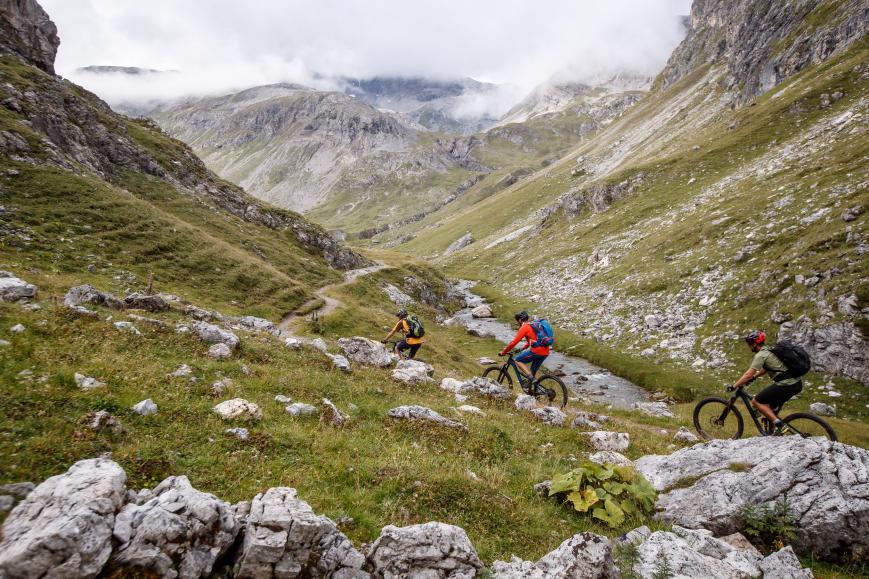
(219, 45)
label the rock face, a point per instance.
(835, 348)
(180, 532)
(215, 334)
(430, 551)
(64, 527)
(238, 408)
(284, 538)
(461, 243)
(88, 294)
(421, 413)
(746, 35)
(366, 352)
(824, 483)
(26, 30)
(584, 555)
(604, 440)
(412, 372)
(13, 289)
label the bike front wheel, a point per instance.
(500, 375)
(552, 392)
(716, 418)
(807, 426)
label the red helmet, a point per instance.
(755, 337)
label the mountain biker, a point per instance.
(783, 387)
(533, 355)
(409, 342)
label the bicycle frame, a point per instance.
(755, 415)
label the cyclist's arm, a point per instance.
(395, 329)
(749, 375)
(516, 339)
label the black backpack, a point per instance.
(415, 327)
(794, 357)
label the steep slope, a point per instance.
(84, 187)
(701, 212)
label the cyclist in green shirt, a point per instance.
(783, 388)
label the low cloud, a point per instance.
(222, 45)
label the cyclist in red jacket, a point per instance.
(533, 355)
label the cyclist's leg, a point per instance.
(774, 396)
(521, 362)
(536, 363)
(413, 350)
(401, 346)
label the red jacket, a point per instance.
(526, 332)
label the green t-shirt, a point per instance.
(766, 359)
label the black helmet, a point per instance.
(521, 316)
(402, 313)
(755, 337)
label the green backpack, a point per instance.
(415, 327)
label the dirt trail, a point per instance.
(291, 322)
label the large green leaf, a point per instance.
(598, 471)
(625, 473)
(583, 500)
(614, 487)
(610, 513)
(566, 482)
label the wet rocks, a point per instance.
(604, 440)
(13, 289)
(284, 537)
(431, 551)
(180, 532)
(145, 407)
(423, 414)
(482, 311)
(366, 352)
(238, 409)
(215, 334)
(822, 481)
(64, 527)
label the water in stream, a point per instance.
(582, 377)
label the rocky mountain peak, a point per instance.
(762, 43)
(26, 30)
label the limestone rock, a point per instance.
(604, 440)
(340, 362)
(451, 385)
(215, 335)
(824, 482)
(19, 490)
(656, 409)
(150, 303)
(320, 344)
(127, 327)
(17, 329)
(219, 351)
(525, 402)
(430, 551)
(834, 348)
(145, 407)
(238, 408)
(482, 311)
(486, 361)
(549, 415)
(366, 352)
(822, 409)
(783, 564)
(88, 294)
(300, 409)
(421, 413)
(332, 415)
(64, 527)
(584, 555)
(13, 289)
(284, 538)
(86, 382)
(101, 421)
(281, 399)
(610, 457)
(488, 387)
(461, 243)
(293, 343)
(238, 432)
(589, 420)
(258, 325)
(180, 532)
(412, 372)
(468, 409)
(181, 371)
(685, 435)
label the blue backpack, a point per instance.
(543, 330)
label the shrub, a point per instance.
(613, 491)
(769, 529)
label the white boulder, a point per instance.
(13, 289)
(238, 409)
(300, 409)
(366, 352)
(605, 440)
(423, 414)
(483, 311)
(219, 351)
(215, 334)
(585, 555)
(412, 372)
(145, 407)
(430, 551)
(86, 382)
(549, 415)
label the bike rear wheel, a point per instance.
(808, 426)
(554, 392)
(715, 418)
(500, 375)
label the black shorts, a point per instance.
(776, 395)
(403, 345)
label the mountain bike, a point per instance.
(547, 389)
(717, 418)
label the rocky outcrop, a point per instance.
(459, 244)
(88, 294)
(285, 538)
(366, 352)
(824, 483)
(834, 348)
(422, 414)
(180, 532)
(412, 372)
(761, 43)
(64, 527)
(585, 555)
(26, 30)
(13, 289)
(431, 551)
(215, 334)
(150, 303)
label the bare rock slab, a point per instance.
(64, 527)
(366, 352)
(238, 409)
(431, 551)
(423, 414)
(412, 372)
(585, 555)
(605, 440)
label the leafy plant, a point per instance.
(609, 491)
(769, 529)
